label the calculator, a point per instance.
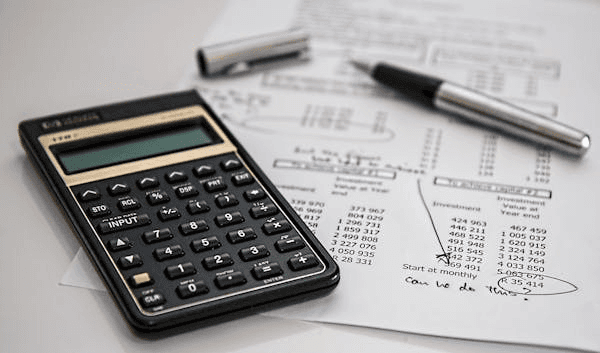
(176, 216)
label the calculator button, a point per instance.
(254, 194)
(89, 195)
(217, 261)
(128, 204)
(226, 201)
(157, 235)
(289, 244)
(230, 280)
(298, 263)
(242, 179)
(98, 211)
(152, 300)
(170, 252)
(254, 252)
(267, 271)
(231, 164)
(264, 211)
(180, 270)
(195, 207)
(241, 235)
(276, 227)
(118, 189)
(119, 244)
(193, 289)
(228, 219)
(204, 170)
(130, 261)
(157, 197)
(214, 184)
(168, 213)
(123, 223)
(186, 191)
(205, 244)
(176, 176)
(193, 227)
(147, 183)
(140, 280)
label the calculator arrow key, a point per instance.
(89, 195)
(147, 182)
(118, 189)
(130, 261)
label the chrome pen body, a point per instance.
(479, 108)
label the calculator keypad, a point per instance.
(195, 231)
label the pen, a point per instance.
(478, 107)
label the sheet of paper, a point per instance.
(439, 227)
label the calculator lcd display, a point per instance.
(125, 150)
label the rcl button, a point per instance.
(128, 204)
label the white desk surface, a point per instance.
(60, 55)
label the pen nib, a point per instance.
(361, 65)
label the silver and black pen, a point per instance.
(478, 107)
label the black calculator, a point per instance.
(178, 219)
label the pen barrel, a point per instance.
(504, 116)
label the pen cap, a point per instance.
(254, 53)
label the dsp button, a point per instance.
(186, 191)
(98, 211)
(152, 300)
(123, 223)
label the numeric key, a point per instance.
(180, 270)
(217, 261)
(157, 235)
(170, 252)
